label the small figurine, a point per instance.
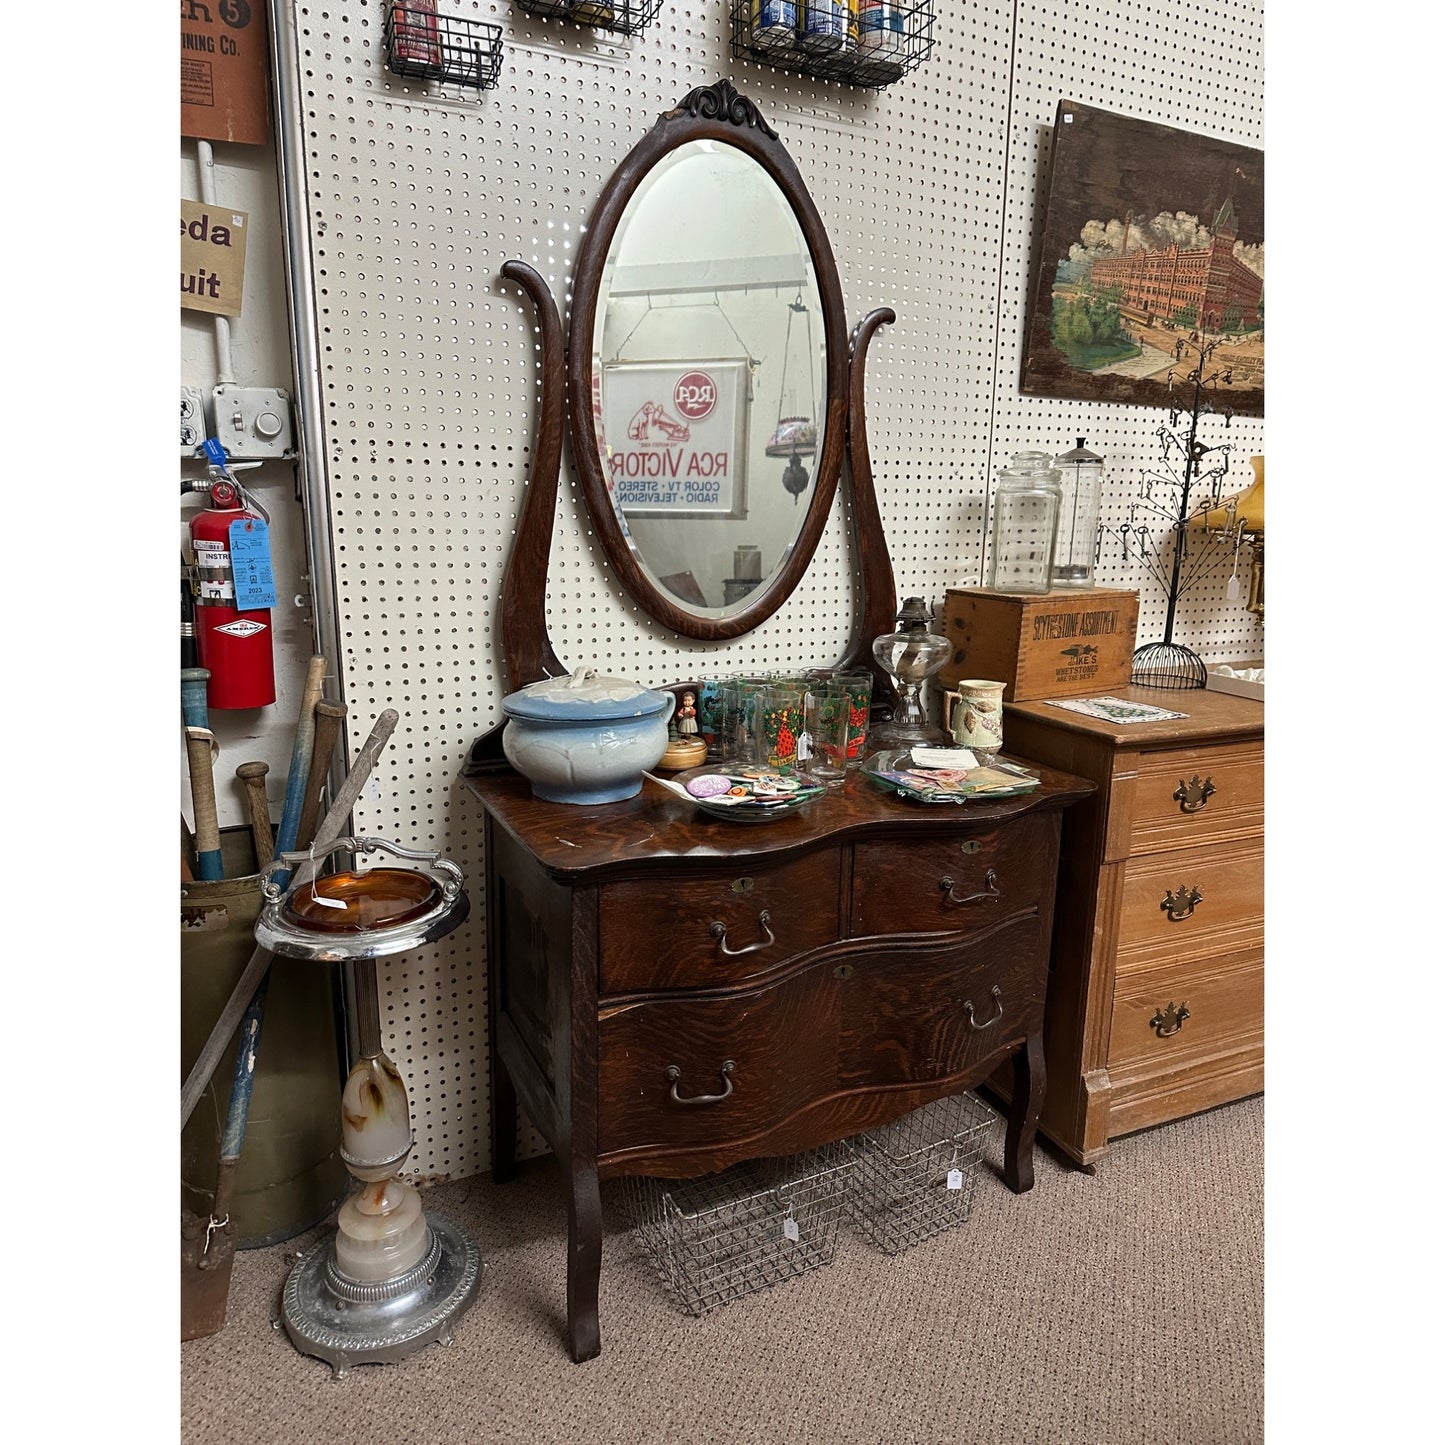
(687, 714)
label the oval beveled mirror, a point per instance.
(708, 369)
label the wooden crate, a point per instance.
(1071, 642)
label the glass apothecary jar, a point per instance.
(1082, 482)
(1025, 524)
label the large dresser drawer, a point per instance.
(956, 881)
(1191, 903)
(1214, 1056)
(1189, 796)
(704, 930)
(1224, 1001)
(866, 1015)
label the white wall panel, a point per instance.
(930, 190)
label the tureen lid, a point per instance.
(586, 696)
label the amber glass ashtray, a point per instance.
(378, 898)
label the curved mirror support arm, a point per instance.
(877, 587)
(526, 646)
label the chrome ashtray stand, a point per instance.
(391, 1279)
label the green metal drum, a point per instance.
(290, 1176)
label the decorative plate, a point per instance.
(741, 794)
(897, 771)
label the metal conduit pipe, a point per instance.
(306, 357)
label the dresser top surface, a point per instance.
(573, 841)
(1211, 716)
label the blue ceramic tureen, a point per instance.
(585, 738)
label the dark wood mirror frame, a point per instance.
(715, 112)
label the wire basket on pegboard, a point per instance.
(868, 44)
(715, 1239)
(621, 17)
(916, 1176)
(427, 46)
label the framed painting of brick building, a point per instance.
(1153, 247)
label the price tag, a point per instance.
(955, 1178)
(790, 1229)
(251, 565)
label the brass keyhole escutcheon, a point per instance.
(844, 970)
(742, 885)
(970, 845)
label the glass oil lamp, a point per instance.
(910, 655)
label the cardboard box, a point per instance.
(1071, 642)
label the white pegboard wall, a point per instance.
(929, 189)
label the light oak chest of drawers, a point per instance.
(1156, 994)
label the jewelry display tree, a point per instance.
(1160, 532)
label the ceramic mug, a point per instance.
(973, 713)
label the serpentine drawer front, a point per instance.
(669, 994)
(721, 927)
(961, 882)
(889, 1014)
(1160, 913)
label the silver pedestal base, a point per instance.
(346, 1323)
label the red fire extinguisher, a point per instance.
(234, 645)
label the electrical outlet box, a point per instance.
(193, 419)
(253, 423)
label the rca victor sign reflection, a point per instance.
(674, 438)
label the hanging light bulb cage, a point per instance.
(795, 478)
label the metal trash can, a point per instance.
(290, 1176)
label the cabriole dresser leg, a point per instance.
(1023, 1116)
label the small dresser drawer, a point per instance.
(1184, 1009)
(1196, 795)
(1191, 903)
(956, 882)
(700, 931)
(683, 1073)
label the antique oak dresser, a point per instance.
(672, 993)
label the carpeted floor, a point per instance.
(1127, 1307)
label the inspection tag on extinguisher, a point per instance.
(251, 565)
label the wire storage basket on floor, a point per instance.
(916, 1176)
(715, 1239)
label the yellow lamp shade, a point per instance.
(1248, 505)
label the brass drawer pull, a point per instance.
(1167, 1022)
(1180, 902)
(989, 894)
(674, 1074)
(720, 932)
(1193, 795)
(995, 993)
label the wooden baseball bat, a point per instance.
(203, 801)
(329, 716)
(193, 697)
(253, 776)
(300, 756)
(255, 971)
